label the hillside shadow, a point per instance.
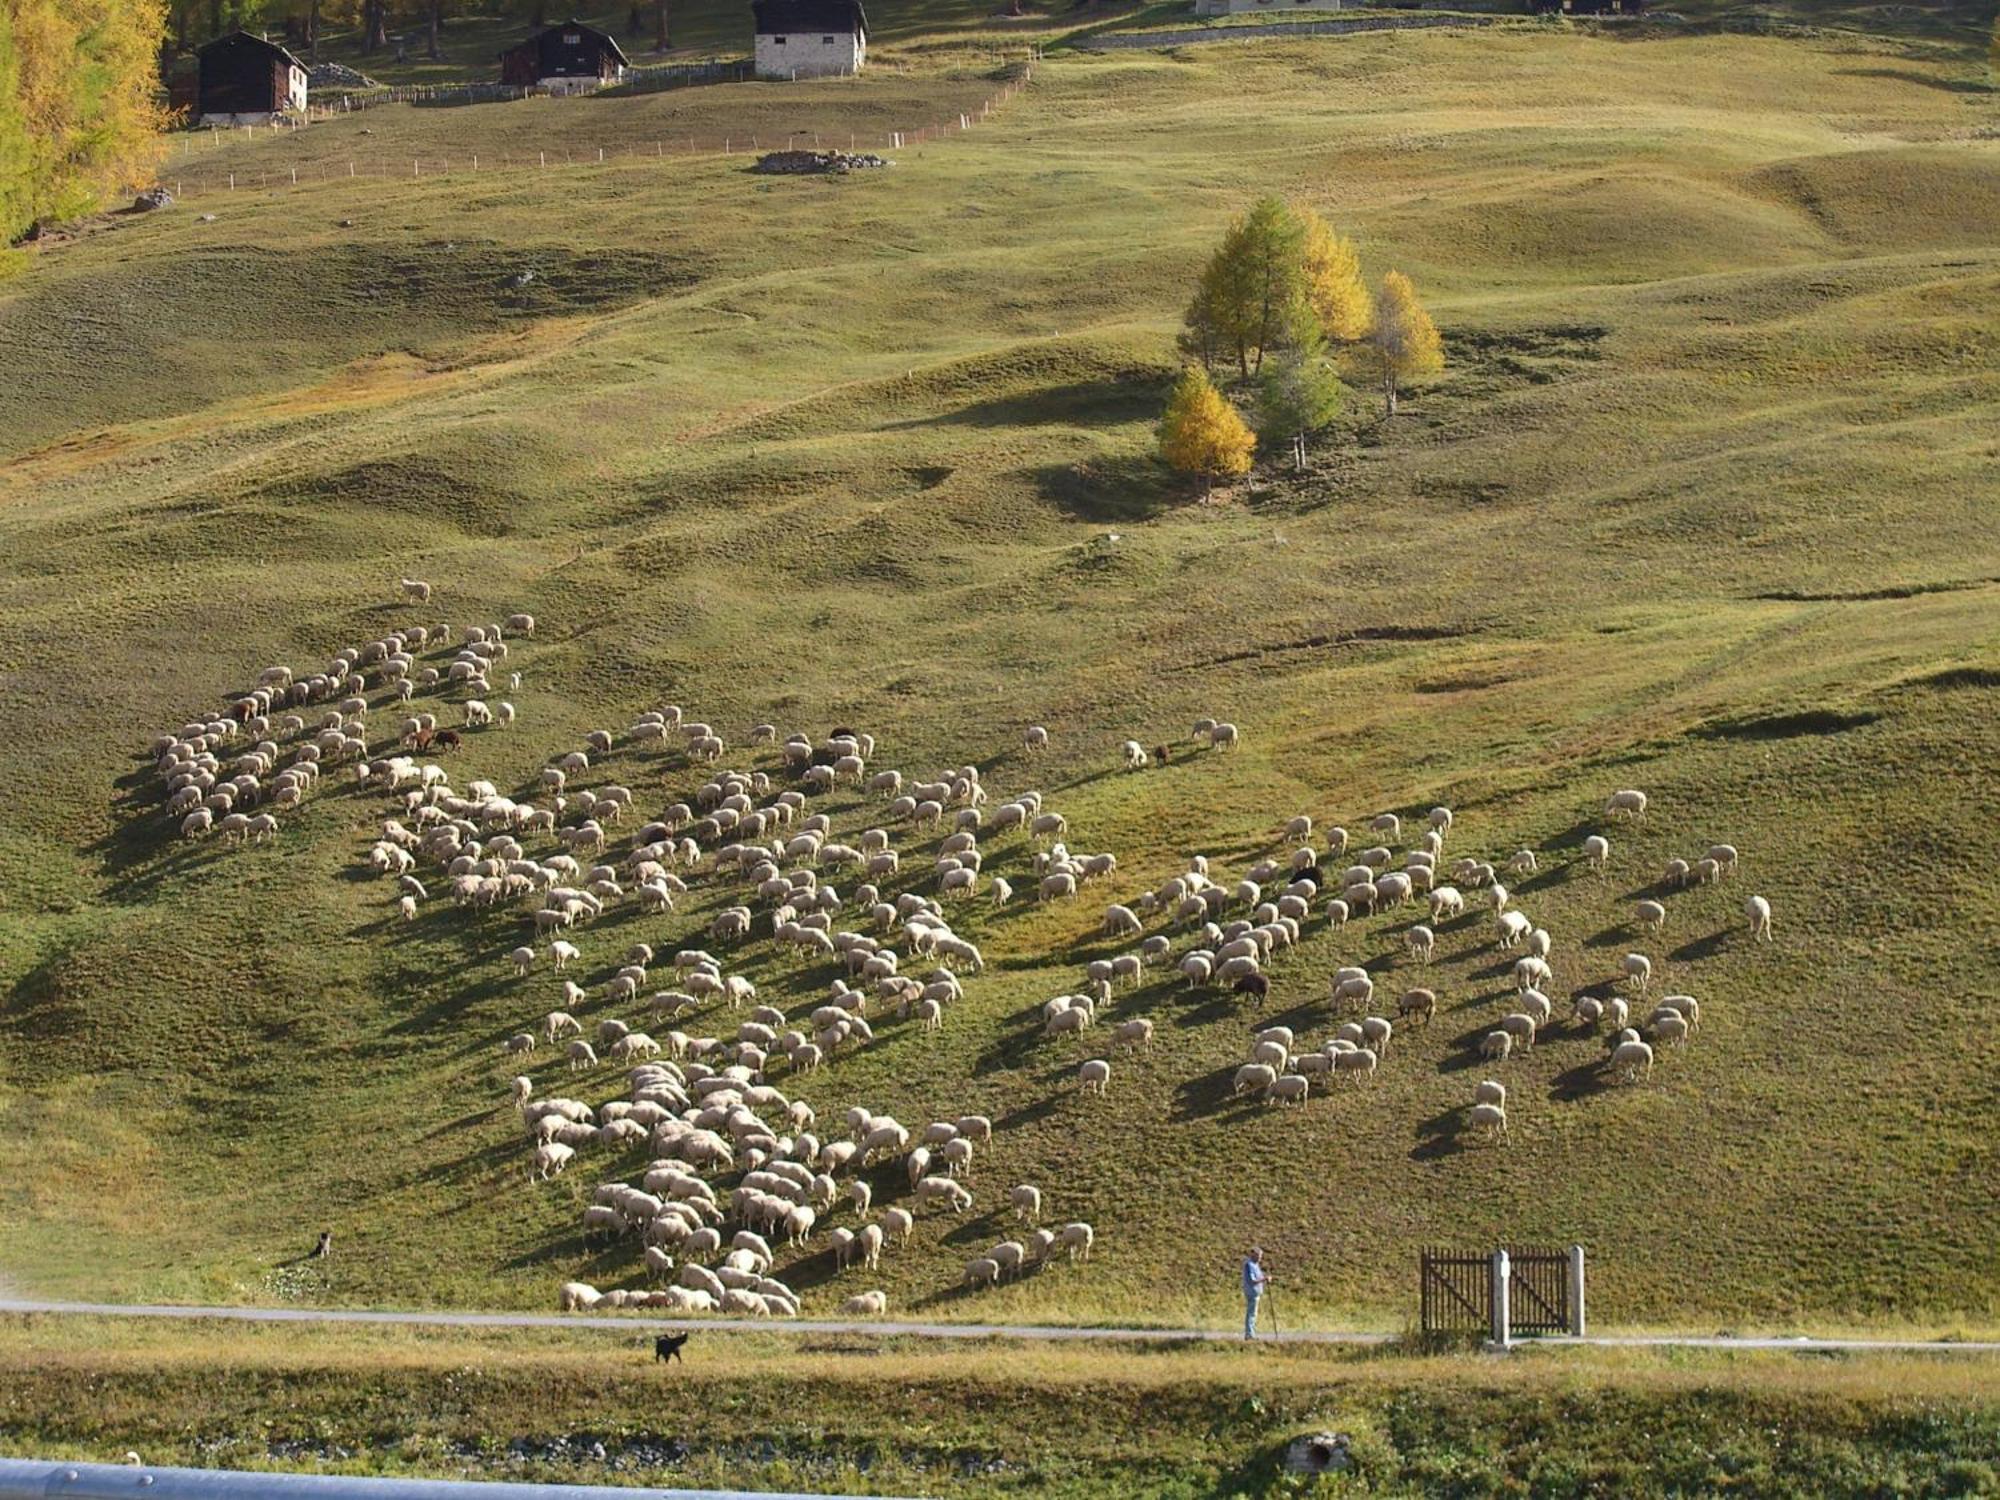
(1922, 80)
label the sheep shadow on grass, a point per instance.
(1465, 1054)
(1439, 1136)
(1579, 1082)
(1212, 1096)
(1702, 947)
(1617, 935)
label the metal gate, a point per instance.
(1527, 1289)
(1456, 1290)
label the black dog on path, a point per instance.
(669, 1345)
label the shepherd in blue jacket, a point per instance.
(1254, 1277)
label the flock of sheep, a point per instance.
(707, 1163)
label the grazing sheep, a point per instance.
(1723, 857)
(1133, 754)
(1669, 1027)
(1523, 862)
(945, 1191)
(1386, 825)
(581, 1056)
(1225, 736)
(1629, 1061)
(1497, 1046)
(1651, 915)
(866, 1305)
(1626, 804)
(577, 1296)
(1675, 874)
(1758, 911)
(1597, 851)
(1077, 1240)
(1027, 1202)
(899, 1222)
(1137, 1032)
(1490, 1092)
(1253, 1078)
(1488, 1120)
(1292, 1088)
(1094, 1077)
(982, 1271)
(1421, 942)
(1637, 970)
(1360, 1063)
(520, 1044)
(1418, 1003)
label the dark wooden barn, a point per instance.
(244, 77)
(566, 56)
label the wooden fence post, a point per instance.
(1576, 1323)
(1500, 1273)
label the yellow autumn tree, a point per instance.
(1201, 432)
(1404, 341)
(79, 104)
(1334, 288)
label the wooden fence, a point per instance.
(1532, 1290)
(187, 174)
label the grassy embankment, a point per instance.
(993, 1420)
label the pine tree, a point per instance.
(1334, 288)
(1301, 393)
(1405, 341)
(1201, 432)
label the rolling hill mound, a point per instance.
(1701, 505)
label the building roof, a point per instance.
(238, 38)
(572, 24)
(775, 17)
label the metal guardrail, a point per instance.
(38, 1479)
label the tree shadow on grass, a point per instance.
(1109, 489)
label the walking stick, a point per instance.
(1271, 1296)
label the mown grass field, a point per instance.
(993, 1419)
(1703, 504)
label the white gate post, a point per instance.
(1576, 1323)
(1501, 1273)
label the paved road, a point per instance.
(934, 1330)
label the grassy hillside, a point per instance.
(1702, 504)
(991, 1419)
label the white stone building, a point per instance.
(809, 38)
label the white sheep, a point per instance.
(1037, 738)
(1637, 971)
(1133, 754)
(1077, 1239)
(1421, 943)
(1758, 911)
(1651, 915)
(1094, 1077)
(1626, 804)
(1488, 1120)
(1597, 851)
(1631, 1060)
(866, 1305)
